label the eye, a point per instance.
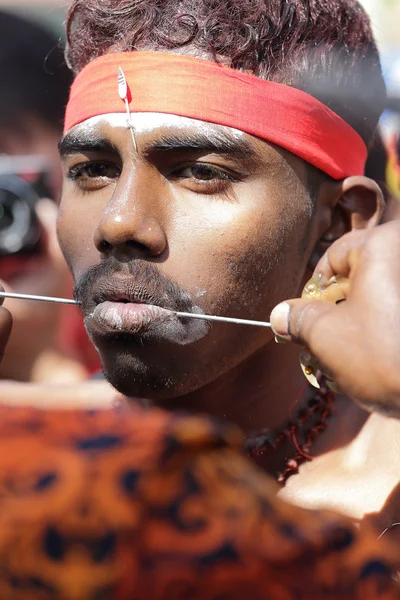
(203, 172)
(94, 175)
(203, 178)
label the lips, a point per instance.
(122, 306)
(135, 299)
(128, 317)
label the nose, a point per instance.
(131, 224)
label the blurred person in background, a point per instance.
(48, 342)
(378, 167)
(393, 166)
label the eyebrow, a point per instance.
(84, 142)
(219, 142)
(216, 142)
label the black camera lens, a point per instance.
(19, 227)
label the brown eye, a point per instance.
(202, 172)
(94, 174)
(100, 170)
(94, 170)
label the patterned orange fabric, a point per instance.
(145, 505)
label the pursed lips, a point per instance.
(128, 292)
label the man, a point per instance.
(242, 161)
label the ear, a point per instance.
(356, 203)
(362, 201)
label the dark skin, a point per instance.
(220, 222)
(215, 241)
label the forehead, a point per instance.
(148, 123)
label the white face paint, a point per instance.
(147, 122)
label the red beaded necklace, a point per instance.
(319, 409)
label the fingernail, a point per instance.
(280, 320)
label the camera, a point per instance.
(23, 181)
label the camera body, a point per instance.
(23, 181)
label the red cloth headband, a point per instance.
(201, 89)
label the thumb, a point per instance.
(306, 322)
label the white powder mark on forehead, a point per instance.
(148, 122)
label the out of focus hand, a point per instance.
(79, 395)
(357, 341)
(5, 326)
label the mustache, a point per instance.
(138, 280)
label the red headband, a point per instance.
(201, 89)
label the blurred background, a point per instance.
(385, 16)
(48, 341)
(48, 12)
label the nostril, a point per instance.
(105, 246)
(137, 245)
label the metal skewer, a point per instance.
(123, 92)
(39, 298)
(223, 319)
(178, 314)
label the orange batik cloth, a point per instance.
(146, 505)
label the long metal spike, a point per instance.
(184, 315)
(123, 92)
(38, 298)
(223, 319)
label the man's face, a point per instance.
(203, 218)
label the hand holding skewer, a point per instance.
(357, 342)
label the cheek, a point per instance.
(75, 229)
(240, 254)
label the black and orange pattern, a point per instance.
(145, 505)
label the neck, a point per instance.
(360, 478)
(264, 393)
(256, 394)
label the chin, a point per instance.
(160, 371)
(135, 377)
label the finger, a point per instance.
(5, 325)
(341, 256)
(330, 334)
(5, 329)
(298, 320)
(82, 395)
(2, 289)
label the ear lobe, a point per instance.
(362, 201)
